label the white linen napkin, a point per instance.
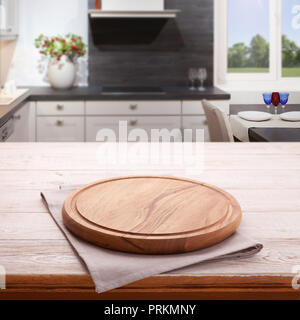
(111, 269)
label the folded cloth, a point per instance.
(111, 269)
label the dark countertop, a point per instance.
(95, 93)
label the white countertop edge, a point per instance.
(20, 93)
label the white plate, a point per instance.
(255, 115)
(290, 116)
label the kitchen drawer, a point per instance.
(195, 107)
(196, 122)
(60, 108)
(24, 124)
(60, 129)
(133, 107)
(94, 124)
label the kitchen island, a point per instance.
(40, 264)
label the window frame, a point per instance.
(221, 48)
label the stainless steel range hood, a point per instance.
(166, 14)
(133, 9)
(129, 22)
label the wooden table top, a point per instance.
(39, 262)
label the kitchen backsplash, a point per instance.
(184, 42)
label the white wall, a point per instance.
(49, 17)
(247, 97)
(251, 92)
(7, 49)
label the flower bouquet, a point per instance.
(63, 53)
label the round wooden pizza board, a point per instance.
(151, 214)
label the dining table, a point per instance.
(41, 264)
(272, 130)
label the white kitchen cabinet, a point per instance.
(81, 120)
(9, 16)
(147, 123)
(60, 129)
(194, 123)
(60, 108)
(195, 107)
(133, 108)
(24, 124)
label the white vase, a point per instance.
(61, 74)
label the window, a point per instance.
(290, 38)
(257, 40)
(248, 36)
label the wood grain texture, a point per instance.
(151, 214)
(265, 179)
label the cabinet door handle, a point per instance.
(59, 123)
(133, 123)
(59, 107)
(133, 106)
(18, 117)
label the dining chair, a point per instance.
(218, 123)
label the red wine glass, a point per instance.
(276, 100)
